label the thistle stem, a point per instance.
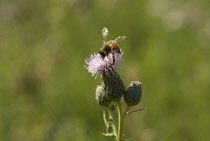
(126, 111)
(134, 111)
(104, 116)
(112, 120)
(120, 122)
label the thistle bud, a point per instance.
(113, 84)
(101, 96)
(133, 93)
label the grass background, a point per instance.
(46, 94)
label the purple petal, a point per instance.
(97, 65)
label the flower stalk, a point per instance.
(120, 122)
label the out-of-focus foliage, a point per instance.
(46, 94)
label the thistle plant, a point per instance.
(109, 94)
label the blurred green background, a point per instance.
(46, 94)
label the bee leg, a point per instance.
(102, 54)
(113, 58)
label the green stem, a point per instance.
(112, 120)
(120, 122)
(104, 116)
(126, 111)
(134, 111)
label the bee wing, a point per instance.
(120, 39)
(105, 32)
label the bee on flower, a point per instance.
(109, 55)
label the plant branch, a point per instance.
(120, 121)
(128, 112)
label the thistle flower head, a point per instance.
(133, 93)
(113, 85)
(97, 65)
(101, 96)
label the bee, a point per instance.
(110, 46)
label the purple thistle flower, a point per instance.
(97, 65)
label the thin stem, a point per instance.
(112, 120)
(104, 116)
(126, 111)
(134, 111)
(120, 122)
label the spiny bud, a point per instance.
(101, 96)
(113, 84)
(133, 93)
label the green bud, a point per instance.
(133, 93)
(101, 97)
(113, 85)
